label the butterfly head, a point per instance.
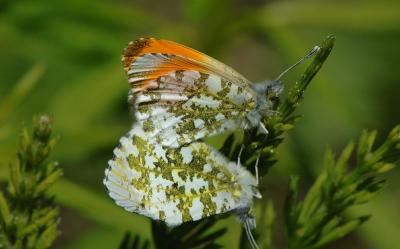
(267, 94)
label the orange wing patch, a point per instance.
(147, 59)
(143, 46)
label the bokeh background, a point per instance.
(63, 57)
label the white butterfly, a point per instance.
(178, 185)
(180, 95)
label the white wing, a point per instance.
(176, 185)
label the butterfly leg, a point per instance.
(241, 149)
(256, 167)
(239, 155)
(263, 129)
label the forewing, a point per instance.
(149, 58)
(181, 95)
(173, 185)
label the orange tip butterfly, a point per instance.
(180, 95)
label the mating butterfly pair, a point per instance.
(179, 95)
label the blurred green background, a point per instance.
(63, 57)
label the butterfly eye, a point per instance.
(274, 89)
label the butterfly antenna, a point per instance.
(307, 56)
(249, 235)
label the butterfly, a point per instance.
(179, 185)
(180, 95)
(161, 169)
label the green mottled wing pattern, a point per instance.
(176, 185)
(184, 106)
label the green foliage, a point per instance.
(133, 242)
(29, 217)
(320, 218)
(194, 235)
(258, 144)
(85, 88)
(296, 93)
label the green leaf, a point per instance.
(196, 234)
(322, 216)
(341, 231)
(385, 167)
(292, 207)
(47, 237)
(50, 179)
(341, 163)
(40, 221)
(133, 243)
(365, 144)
